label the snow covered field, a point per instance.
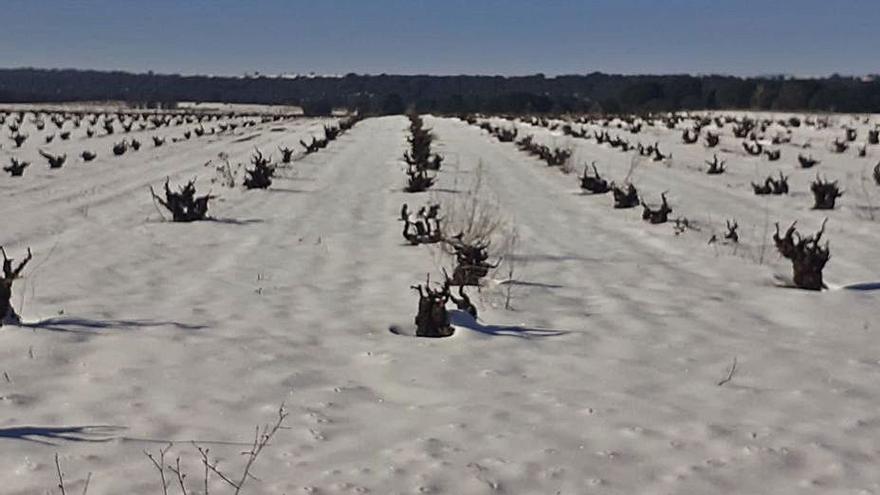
(603, 378)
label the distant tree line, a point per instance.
(391, 94)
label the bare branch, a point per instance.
(86, 487)
(60, 476)
(180, 476)
(213, 468)
(729, 374)
(159, 465)
(261, 439)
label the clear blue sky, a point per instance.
(230, 37)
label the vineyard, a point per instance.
(669, 303)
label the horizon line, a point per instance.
(315, 75)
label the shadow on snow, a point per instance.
(88, 326)
(45, 434)
(463, 319)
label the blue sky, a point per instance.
(230, 37)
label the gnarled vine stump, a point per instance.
(432, 318)
(9, 276)
(808, 258)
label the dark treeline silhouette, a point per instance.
(390, 94)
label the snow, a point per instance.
(602, 379)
